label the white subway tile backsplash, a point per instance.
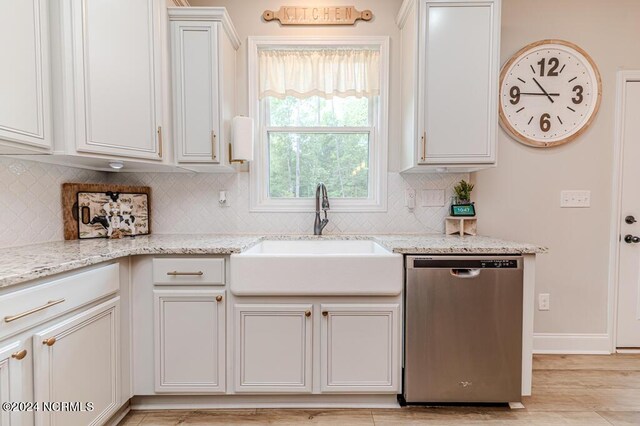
(30, 200)
(188, 203)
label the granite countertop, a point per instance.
(21, 264)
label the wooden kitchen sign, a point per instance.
(317, 15)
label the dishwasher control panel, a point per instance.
(486, 263)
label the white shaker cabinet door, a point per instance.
(117, 77)
(459, 65)
(25, 109)
(15, 381)
(189, 341)
(360, 348)
(77, 360)
(196, 93)
(273, 348)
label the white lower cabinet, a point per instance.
(15, 375)
(360, 348)
(189, 340)
(273, 350)
(77, 360)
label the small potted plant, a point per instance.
(462, 206)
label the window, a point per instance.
(320, 127)
(318, 140)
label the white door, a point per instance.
(196, 95)
(117, 54)
(189, 330)
(273, 348)
(360, 346)
(459, 48)
(77, 360)
(628, 328)
(24, 75)
(15, 378)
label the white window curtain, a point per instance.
(320, 72)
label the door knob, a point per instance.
(630, 220)
(631, 239)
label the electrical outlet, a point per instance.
(575, 199)
(543, 302)
(410, 198)
(432, 197)
(223, 201)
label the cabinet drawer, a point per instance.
(188, 271)
(26, 308)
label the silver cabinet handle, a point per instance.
(214, 144)
(33, 311)
(176, 273)
(160, 145)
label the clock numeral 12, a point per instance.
(553, 63)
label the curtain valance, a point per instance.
(320, 72)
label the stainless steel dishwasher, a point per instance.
(463, 329)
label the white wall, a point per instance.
(520, 198)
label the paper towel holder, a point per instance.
(242, 137)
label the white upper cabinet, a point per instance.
(25, 102)
(450, 51)
(117, 77)
(203, 56)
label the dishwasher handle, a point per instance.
(465, 273)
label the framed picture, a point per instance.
(463, 210)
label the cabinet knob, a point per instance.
(325, 313)
(19, 355)
(307, 314)
(218, 298)
(50, 341)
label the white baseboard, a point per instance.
(119, 415)
(566, 343)
(201, 402)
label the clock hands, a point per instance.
(540, 94)
(543, 91)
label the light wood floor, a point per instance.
(567, 390)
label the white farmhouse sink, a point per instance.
(316, 267)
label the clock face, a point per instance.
(549, 93)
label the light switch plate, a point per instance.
(432, 197)
(575, 199)
(543, 301)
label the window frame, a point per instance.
(260, 201)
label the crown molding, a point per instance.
(218, 14)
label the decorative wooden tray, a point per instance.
(71, 211)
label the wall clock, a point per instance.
(550, 93)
